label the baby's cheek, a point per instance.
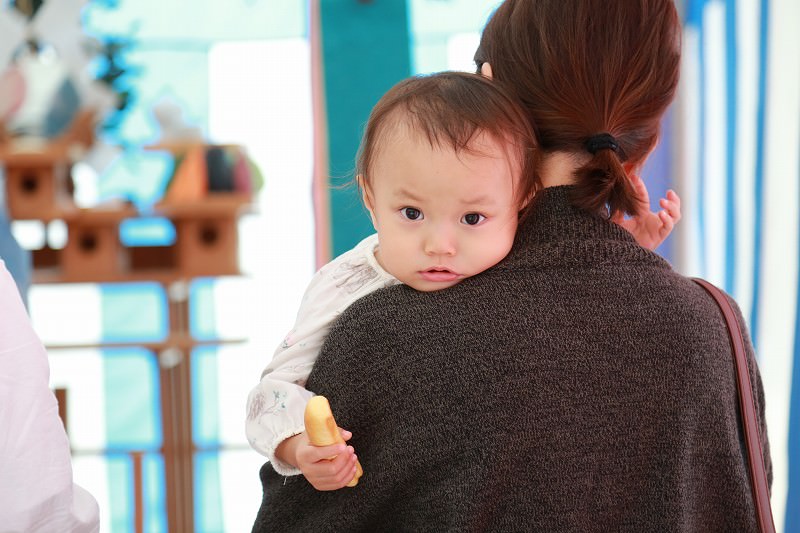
(506, 242)
(511, 231)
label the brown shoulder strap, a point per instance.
(758, 475)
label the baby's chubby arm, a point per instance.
(275, 425)
(651, 228)
(275, 407)
(274, 413)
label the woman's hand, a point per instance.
(650, 229)
(325, 467)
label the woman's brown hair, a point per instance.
(584, 68)
(449, 109)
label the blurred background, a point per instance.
(169, 171)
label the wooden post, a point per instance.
(176, 408)
(138, 493)
(61, 398)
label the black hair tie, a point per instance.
(601, 141)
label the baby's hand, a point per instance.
(650, 229)
(326, 467)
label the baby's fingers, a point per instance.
(672, 205)
(667, 223)
(333, 474)
(345, 470)
(315, 454)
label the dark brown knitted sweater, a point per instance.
(580, 385)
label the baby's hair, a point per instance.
(450, 109)
(595, 77)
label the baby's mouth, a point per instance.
(439, 274)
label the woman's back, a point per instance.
(580, 385)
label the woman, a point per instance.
(579, 385)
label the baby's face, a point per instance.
(442, 217)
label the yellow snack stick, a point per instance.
(322, 429)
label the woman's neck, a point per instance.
(558, 168)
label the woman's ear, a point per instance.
(635, 168)
(486, 70)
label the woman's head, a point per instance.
(445, 166)
(585, 69)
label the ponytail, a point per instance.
(602, 185)
(582, 67)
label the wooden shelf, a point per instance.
(38, 186)
(180, 147)
(110, 213)
(183, 342)
(49, 276)
(212, 205)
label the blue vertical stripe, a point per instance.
(732, 96)
(694, 18)
(155, 497)
(134, 312)
(208, 513)
(132, 398)
(696, 11)
(133, 423)
(792, 523)
(758, 193)
(122, 497)
(205, 397)
(202, 315)
(120, 493)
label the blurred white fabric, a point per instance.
(37, 494)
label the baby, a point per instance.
(446, 169)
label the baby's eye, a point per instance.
(411, 213)
(472, 219)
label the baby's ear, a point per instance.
(366, 197)
(486, 69)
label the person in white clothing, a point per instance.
(37, 494)
(441, 171)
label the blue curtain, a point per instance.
(738, 148)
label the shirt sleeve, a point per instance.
(275, 407)
(37, 491)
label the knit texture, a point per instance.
(580, 385)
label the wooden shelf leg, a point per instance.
(176, 406)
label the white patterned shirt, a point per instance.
(276, 405)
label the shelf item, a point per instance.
(93, 248)
(37, 185)
(207, 241)
(37, 171)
